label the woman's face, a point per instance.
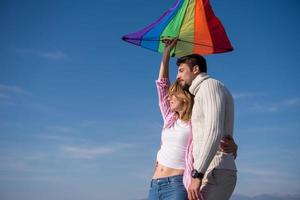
(176, 105)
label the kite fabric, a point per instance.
(193, 22)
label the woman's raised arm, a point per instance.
(163, 80)
(164, 66)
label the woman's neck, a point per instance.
(180, 115)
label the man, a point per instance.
(214, 171)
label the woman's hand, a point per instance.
(169, 45)
(228, 145)
(164, 66)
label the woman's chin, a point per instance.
(174, 110)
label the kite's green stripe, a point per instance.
(186, 33)
(175, 24)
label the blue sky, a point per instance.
(78, 106)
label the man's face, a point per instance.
(185, 76)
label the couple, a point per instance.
(196, 157)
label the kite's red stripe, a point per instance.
(218, 35)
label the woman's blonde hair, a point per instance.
(185, 96)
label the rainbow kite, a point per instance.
(193, 22)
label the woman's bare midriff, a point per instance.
(163, 171)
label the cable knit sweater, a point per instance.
(212, 118)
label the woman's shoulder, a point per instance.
(163, 81)
(171, 119)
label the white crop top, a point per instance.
(174, 143)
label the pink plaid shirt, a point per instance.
(170, 118)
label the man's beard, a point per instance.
(185, 87)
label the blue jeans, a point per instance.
(169, 188)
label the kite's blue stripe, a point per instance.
(154, 34)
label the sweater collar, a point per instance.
(197, 82)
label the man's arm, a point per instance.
(213, 107)
(204, 149)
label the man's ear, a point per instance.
(196, 70)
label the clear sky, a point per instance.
(78, 107)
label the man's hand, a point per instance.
(194, 189)
(228, 145)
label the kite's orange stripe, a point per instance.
(201, 32)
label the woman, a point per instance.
(174, 159)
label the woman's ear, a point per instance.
(196, 70)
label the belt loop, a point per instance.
(151, 183)
(169, 180)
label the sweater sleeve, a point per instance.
(164, 105)
(212, 103)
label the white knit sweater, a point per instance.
(212, 118)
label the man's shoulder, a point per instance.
(216, 86)
(213, 80)
(211, 83)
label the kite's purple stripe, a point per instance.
(136, 37)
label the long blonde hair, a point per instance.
(185, 96)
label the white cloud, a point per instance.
(12, 164)
(61, 138)
(22, 162)
(86, 153)
(7, 103)
(266, 108)
(261, 172)
(88, 123)
(4, 96)
(5, 89)
(8, 94)
(14, 177)
(55, 55)
(61, 129)
(93, 152)
(243, 95)
(43, 108)
(284, 104)
(12, 95)
(292, 102)
(259, 180)
(50, 55)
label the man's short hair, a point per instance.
(192, 60)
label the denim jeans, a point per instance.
(168, 188)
